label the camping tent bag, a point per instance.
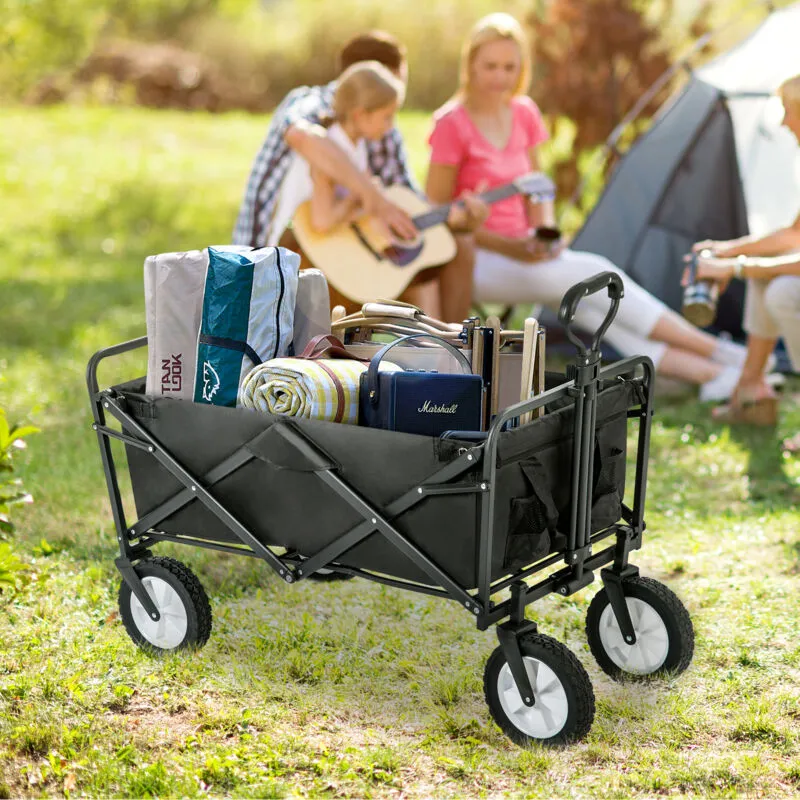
(247, 318)
(173, 293)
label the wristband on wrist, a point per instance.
(738, 266)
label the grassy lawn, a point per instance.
(332, 690)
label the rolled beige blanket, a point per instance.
(325, 389)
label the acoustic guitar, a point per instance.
(363, 261)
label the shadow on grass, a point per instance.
(769, 483)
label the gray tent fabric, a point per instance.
(715, 164)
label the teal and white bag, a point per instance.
(173, 299)
(248, 318)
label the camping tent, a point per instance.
(715, 164)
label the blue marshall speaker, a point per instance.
(426, 403)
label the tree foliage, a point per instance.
(47, 38)
(595, 58)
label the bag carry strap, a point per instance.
(412, 314)
(383, 309)
(399, 327)
(374, 364)
(364, 329)
(231, 344)
(381, 313)
(327, 346)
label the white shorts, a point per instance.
(499, 279)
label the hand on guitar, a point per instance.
(375, 204)
(468, 214)
(362, 261)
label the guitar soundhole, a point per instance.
(402, 255)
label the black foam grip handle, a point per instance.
(576, 293)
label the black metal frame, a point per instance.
(136, 540)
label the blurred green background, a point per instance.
(264, 47)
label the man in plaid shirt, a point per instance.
(296, 125)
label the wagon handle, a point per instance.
(576, 293)
(106, 352)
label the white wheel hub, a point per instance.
(548, 715)
(649, 652)
(169, 631)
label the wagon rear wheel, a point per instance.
(664, 633)
(185, 613)
(563, 707)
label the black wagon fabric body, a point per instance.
(283, 502)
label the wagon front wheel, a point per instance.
(185, 613)
(664, 633)
(563, 707)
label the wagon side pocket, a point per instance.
(609, 483)
(532, 518)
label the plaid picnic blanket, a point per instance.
(325, 389)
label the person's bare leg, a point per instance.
(687, 366)
(455, 280)
(446, 292)
(752, 382)
(753, 400)
(674, 330)
(425, 295)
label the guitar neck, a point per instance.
(439, 214)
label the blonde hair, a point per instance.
(491, 28)
(368, 85)
(789, 93)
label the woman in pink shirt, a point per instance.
(487, 136)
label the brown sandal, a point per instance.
(763, 413)
(759, 407)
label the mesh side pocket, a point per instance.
(532, 518)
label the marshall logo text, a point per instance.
(431, 408)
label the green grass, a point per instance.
(340, 690)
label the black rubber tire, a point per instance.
(191, 593)
(672, 612)
(574, 679)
